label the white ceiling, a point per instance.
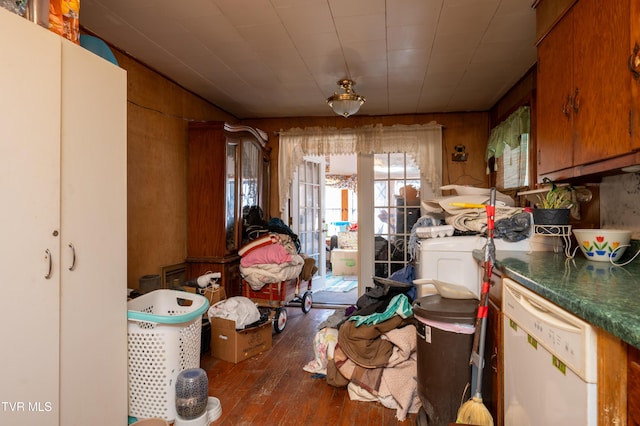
(282, 58)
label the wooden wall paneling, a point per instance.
(158, 114)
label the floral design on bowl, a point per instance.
(602, 244)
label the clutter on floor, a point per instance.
(370, 348)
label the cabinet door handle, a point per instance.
(634, 62)
(565, 107)
(494, 360)
(73, 257)
(47, 255)
(576, 102)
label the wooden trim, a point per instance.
(345, 205)
(612, 380)
(261, 136)
(213, 259)
(608, 167)
(548, 14)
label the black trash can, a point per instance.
(444, 341)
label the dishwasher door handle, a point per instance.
(537, 310)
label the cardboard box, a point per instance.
(344, 262)
(234, 346)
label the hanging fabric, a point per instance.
(421, 141)
(509, 132)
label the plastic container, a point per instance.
(445, 330)
(192, 393)
(149, 283)
(164, 333)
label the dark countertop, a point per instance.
(604, 295)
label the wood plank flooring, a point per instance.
(272, 389)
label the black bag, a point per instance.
(278, 226)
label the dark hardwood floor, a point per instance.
(273, 389)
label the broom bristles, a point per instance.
(473, 412)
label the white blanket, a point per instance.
(239, 309)
(259, 275)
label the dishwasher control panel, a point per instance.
(571, 340)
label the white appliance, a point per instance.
(450, 259)
(550, 367)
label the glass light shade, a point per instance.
(347, 103)
(346, 107)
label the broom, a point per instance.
(474, 411)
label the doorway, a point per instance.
(325, 218)
(341, 230)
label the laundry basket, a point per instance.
(164, 332)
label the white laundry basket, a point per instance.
(164, 333)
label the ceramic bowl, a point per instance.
(602, 245)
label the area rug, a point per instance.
(340, 284)
(324, 299)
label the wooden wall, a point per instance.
(158, 113)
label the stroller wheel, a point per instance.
(307, 301)
(280, 321)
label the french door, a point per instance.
(307, 213)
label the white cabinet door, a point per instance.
(93, 365)
(29, 190)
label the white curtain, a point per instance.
(423, 141)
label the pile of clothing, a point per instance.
(270, 258)
(371, 349)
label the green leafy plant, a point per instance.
(558, 197)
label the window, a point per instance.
(513, 167)
(396, 202)
(508, 147)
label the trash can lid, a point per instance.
(437, 308)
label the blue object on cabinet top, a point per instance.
(97, 46)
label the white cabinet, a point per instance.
(64, 250)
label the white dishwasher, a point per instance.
(550, 367)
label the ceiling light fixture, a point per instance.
(347, 103)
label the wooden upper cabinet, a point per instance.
(554, 110)
(634, 61)
(584, 101)
(601, 76)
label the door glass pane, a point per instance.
(230, 197)
(309, 229)
(250, 165)
(396, 208)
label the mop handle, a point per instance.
(483, 309)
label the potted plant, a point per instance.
(554, 206)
